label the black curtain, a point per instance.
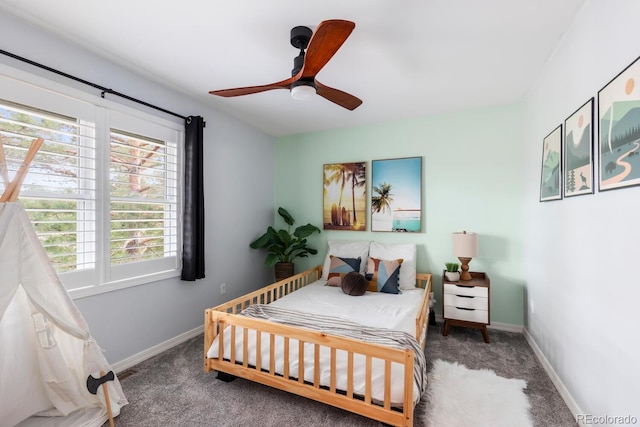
(193, 235)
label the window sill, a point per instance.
(88, 291)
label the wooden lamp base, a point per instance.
(464, 266)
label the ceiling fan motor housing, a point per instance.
(300, 37)
(298, 62)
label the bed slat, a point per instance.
(233, 344)
(286, 357)
(245, 347)
(316, 365)
(367, 380)
(350, 374)
(259, 350)
(272, 358)
(387, 385)
(221, 340)
(332, 381)
(300, 361)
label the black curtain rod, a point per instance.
(102, 88)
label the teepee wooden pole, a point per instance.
(3, 165)
(13, 189)
(107, 401)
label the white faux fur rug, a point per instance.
(462, 397)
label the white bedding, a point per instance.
(373, 309)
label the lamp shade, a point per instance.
(465, 245)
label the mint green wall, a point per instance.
(472, 167)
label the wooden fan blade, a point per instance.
(227, 93)
(339, 97)
(324, 43)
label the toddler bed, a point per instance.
(363, 354)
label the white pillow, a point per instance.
(391, 251)
(346, 249)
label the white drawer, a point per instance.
(473, 291)
(481, 303)
(470, 315)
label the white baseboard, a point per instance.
(156, 349)
(508, 327)
(557, 382)
(564, 393)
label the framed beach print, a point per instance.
(344, 196)
(619, 130)
(396, 195)
(578, 151)
(551, 175)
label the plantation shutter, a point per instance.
(143, 199)
(59, 192)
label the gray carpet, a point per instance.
(171, 389)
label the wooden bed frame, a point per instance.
(216, 319)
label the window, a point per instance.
(143, 198)
(102, 192)
(59, 191)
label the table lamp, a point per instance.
(465, 247)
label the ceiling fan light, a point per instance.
(302, 92)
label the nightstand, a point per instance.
(467, 303)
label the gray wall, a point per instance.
(239, 165)
(581, 252)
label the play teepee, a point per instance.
(52, 372)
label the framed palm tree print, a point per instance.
(396, 195)
(344, 196)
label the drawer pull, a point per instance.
(465, 296)
(465, 308)
(465, 286)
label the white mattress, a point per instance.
(373, 309)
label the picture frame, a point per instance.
(619, 130)
(578, 151)
(344, 196)
(396, 195)
(551, 174)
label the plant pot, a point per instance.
(284, 270)
(452, 276)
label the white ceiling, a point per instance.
(404, 59)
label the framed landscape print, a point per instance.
(551, 175)
(396, 195)
(619, 130)
(344, 196)
(578, 151)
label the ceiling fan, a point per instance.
(320, 47)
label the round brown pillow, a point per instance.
(354, 284)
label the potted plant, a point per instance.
(283, 247)
(452, 273)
